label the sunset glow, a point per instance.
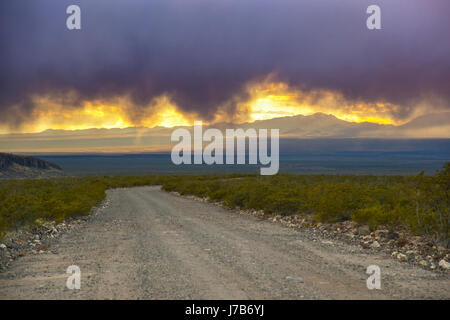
(267, 100)
(97, 114)
(276, 99)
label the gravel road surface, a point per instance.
(149, 244)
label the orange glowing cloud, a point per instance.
(270, 99)
(265, 99)
(51, 114)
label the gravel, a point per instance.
(144, 243)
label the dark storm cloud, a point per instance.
(202, 52)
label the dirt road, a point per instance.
(149, 244)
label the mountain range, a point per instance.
(141, 139)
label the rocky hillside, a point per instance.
(16, 166)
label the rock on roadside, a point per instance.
(414, 249)
(37, 239)
(444, 264)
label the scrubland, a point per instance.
(418, 204)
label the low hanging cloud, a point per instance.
(202, 54)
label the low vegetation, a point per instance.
(27, 202)
(420, 204)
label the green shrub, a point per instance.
(420, 204)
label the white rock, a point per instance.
(444, 264)
(423, 263)
(375, 244)
(2, 246)
(296, 278)
(402, 257)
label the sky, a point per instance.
(170, 62)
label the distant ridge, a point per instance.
(157, 139)
(18, 166)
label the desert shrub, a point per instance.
(420, 204)
(338, 201)
(25, 201)
(432, 205)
